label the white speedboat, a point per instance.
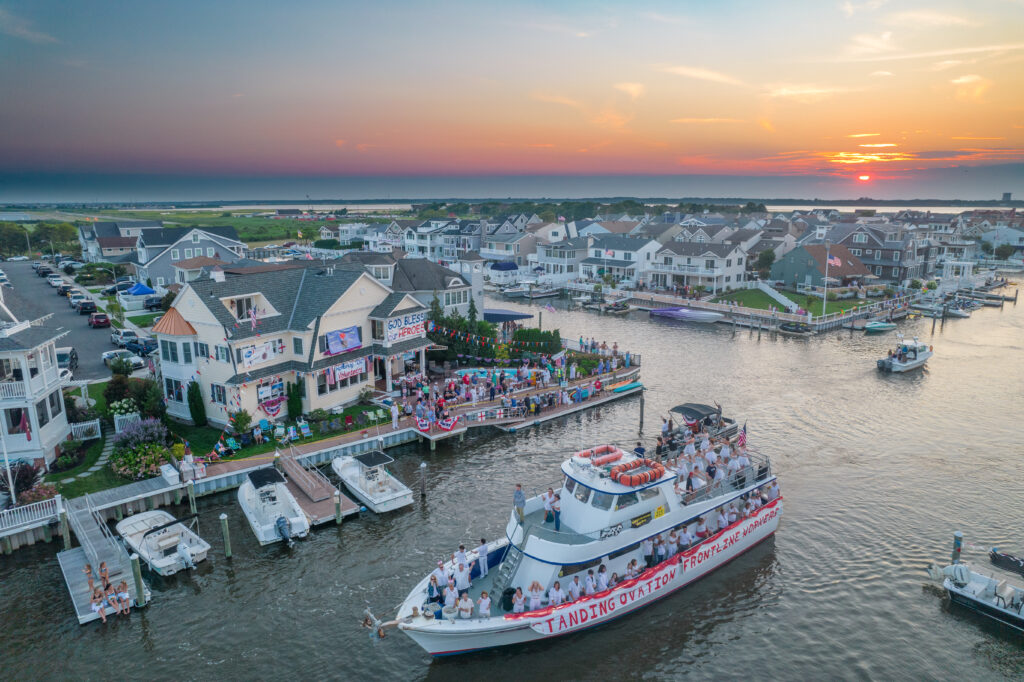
(688, 314)
(989, 595)
(272, 510)
(368, 479)
(164, 543)
(906, 356)
(611, 502)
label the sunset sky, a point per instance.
(875, 88)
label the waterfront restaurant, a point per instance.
(245, 334)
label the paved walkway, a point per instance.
(108, 447)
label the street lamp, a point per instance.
(824, 301)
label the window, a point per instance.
(160, 281)
(188, 253)
(650, 493)
(627, 500)
(218, 394)
(855, 252)
(186, 352)
(168, 350)
(209, 251)
(223, 353)
(181, 276)
(202, 350)
(175, 255)
(172, 388)
(195, 237)
(297, 345)
(377, 330)
(242, 307)
(878, 270)
(570, 485)
(648, 255)
(625, 550)
(570, 569)
(14, 417)
(582, 493)
(860, 238)
(42, 414)
(728, 262)
(868, 252)
(896, 255)
(55, 406)
(728, 278)
(709, 264)
(602, 500)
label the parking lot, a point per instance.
(39, 298)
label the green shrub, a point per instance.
(142, 461)
(319, 415)
(196, 406)
(294, 393)
(121, 366)
(241, 421)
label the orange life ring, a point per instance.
(655, 470)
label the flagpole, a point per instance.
(824, 302)
(10, 477)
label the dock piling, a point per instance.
(7, 547)
(140, 589)
(423, 480)
(641, 429)
(227, 535)
(337, 507)
(958, 543)
(65, 530)
(118, 512)
(192, 496)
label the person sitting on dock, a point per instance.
(483, 605)
(112, 598)
(98, 604)
(451, 595)
(465, 606)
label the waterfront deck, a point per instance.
(313, 491)
(72, 564)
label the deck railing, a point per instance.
(12, 390)
(28, 514)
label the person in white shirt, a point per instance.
(394, 415)
(726, 451)
(773, 492)
(462, 581)
(465, 606)
(690, 450)
(647, 548)
(602, 578)
(555, 594)
(451, 595)
(664, 427)
(483, 605)
(632, 570)
(685, 539)
(481, 553)
(733, 515)
(702, 529)
(709, 455)
(536, 593)
(723, 522)
(518, 601)
(460, 556)
(589, 583)
(575, 588)
(440, 573)
(549, 498)
(672, 545)
(705, 443)
(754, 503)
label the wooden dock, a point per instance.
(72, 562)
(313, 491)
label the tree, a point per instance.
(117, 389)
(436, 311)
(1005, 251)
(167, 301)
(986, 246)
(196, 406)
(294, 392)
(472, 313)
(765, 259)
(327, 244)
(150, 400)
(241, 421)
(12, 238)
(121, 366)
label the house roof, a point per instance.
(742, 235)
(574, 244)
(198, 262)
(419, 274)
(608, 262)
(619, 243)
(32, 336)
(173, 324)
(299, 294)
(849, 265)
(698, 249)
(368, 258)
(116, 242)
(471, 256)
(165, 236)
(386, 307)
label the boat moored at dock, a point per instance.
(688, 314)
(597, 552)
(367, 477)
(164, 543)
(878, 327)
(272, 511)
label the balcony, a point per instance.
(498, 254)
(696, 270)
(12, 390)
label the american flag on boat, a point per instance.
(741, 440)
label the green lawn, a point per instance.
(91, 455)
(145, 320)
(833, 306)
(104, 479)
(750, 298)
(96, 393)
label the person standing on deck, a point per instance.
(556, 507)
(481, 554)
(451, 595)
(548, 498)
(519, 502)
(465, 607)
(647, 547)
(484, 605)
(394, 416)
(575, 588)
(556, 597)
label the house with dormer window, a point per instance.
(158, 249)
(622, 258)
(718, 267)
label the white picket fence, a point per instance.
(86, 430)
(34, 514)
(123, 421)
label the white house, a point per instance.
(623, 258)
(561, 260)
(715, 266)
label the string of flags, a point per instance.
(483, 341)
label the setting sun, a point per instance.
(864, 178)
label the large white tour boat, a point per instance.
(612, 505)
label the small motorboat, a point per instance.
(542, 292)
(990, 596)
(878, 326)
(518, 291)
(368, 479)
(906, 356)
(1007, 562)
(272, 511)
(165, 544)
(617, 308)
(688, 314)
(796, 329)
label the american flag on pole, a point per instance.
(741, 440)
(548, 307)
(609, 252)
(252, 318)
(835, 261)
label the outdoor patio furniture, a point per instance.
(279, 433)
(348, 421)
(382, 416)
(324, 427)
(246, 439)
(265, 426)
(335, 424)
(292, 433)
(233, 444)
(363, 420)
(304, 428)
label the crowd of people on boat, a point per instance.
(106, 594)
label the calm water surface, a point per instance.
(877, 471)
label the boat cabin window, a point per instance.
(571, 569)
(650, 493)
(625, 550)
(582, 493)
(602, 500)
(570, 485)
(627, 500)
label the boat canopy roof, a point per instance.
(695, 410)
(503, 315)
(266, 476)
(374, 458)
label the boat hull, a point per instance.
(463, 636)
(965, 599)
(688, 314)
(265, 531)
(347, 471)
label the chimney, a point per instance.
(217, 274)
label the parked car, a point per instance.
(125, 278)
(119, 337)
(64, 289)
(96, 320)
(87, 306)
(35, 264)
(3, 278)
(76, 297)
(44, 271)
(55, 280)
(153, 303)
(18, 258)
(111, 355)
(118, 287)
(67, 357)
(141, 346)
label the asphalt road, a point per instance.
(38, 298)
